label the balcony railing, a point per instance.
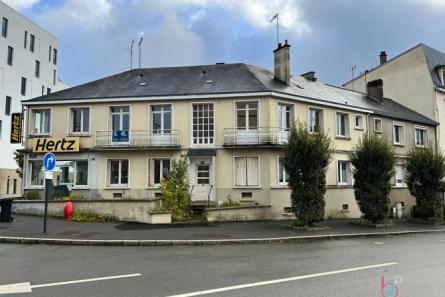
(259, 136)
(138, 138)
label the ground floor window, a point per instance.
(283, 177)
(246, 171)
(36, 173)
(158, 169)
(343, 173)
(118, 172)
(68, 172)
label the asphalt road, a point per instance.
(320, 268)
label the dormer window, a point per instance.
(442, 75)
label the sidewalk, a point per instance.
(141, 234)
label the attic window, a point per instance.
(209, 81)
(442, 75)
(142, 83)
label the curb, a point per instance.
(174, 242)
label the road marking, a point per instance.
(27, 287)
(282, 280)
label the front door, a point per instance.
(201, 171)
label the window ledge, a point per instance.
(79, 135)
(399, 144)
(247, 187)
(358, 128)
(117, 188)
(343, 137)
(39, 135)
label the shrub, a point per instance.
(229, 202)
(175, 189)
(374, 161)
(425, 169)
(306, 159)
(91, 218)
(32, 195)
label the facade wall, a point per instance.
(23, 65)
(340, 201)
(10, 183)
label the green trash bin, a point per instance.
(6, 210)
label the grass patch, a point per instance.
(383, 224)
(91, 218)
(431, 221)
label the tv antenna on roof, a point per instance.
(131, 54)
(140, 45)
(352, 68)
(276, 17)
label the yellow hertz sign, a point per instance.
(16, 128)
(56, 145)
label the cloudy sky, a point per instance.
(327, 36)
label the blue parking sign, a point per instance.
(49, 161)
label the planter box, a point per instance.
(161, 217)
(121, 210)
(238, 213)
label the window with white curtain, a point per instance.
(400, 175)
(246, 171)
(315, 119)
(283, 177)
(42, 121)
(420, 136)
(343, 173)
(284, 117)
(342, 124)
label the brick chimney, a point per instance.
(282, 63)
(383, 57)
(375, 89)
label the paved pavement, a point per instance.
(31, 226)
(310, 269)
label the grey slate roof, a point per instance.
(225, 79)
(434, 58)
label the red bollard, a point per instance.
(68, 210)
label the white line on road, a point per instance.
(27, 287)
(289, 279)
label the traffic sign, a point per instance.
(49, 161)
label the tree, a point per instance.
(306, 159)
(374, 161)
(18, 157)
(175, 189)
(425, 169)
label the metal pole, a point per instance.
(45, 214)
(278, 26)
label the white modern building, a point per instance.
(29, 60)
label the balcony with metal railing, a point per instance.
(262, 136)
(138, 139)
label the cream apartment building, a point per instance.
(29, 62)
(229, 121)
(414, 78)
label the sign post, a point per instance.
(49, 162)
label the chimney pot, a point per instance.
(375, 89)
(383, 57)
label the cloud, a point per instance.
(434, 4)
(82, 15)
(21, 4)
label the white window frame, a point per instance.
(321, 118)
(29, 177)
(425, 139)
(362, 127)
(258, 173)
(285, 174)
(402, 133)
(110, 120)
(280, 113)
(71, 117)
(162, 112)
(375, 126)
(442, 75)
(33, 123)
(402, 184)
(150, 176)
(212, 144)
(247, 114)
(108, 183)
(347, 124)
(340, 182)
